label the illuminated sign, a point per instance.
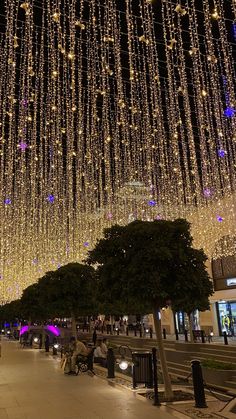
(231, 282)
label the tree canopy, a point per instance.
(147, 265)
(70, 290)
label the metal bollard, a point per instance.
(135, 332)
(203, 336)
(198, 385)
(127, 331)
(225, 338)
(185, 335)
(156, 401)
(47, 344)
(110, 363)
(176, 334)
(140, 333)
(40, 341)
(150, 333)
(164, 333)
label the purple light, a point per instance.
(229, 112)
(207, 192)
(234, 30)
(24, 103)
(86, 244)
(51, 199)
(23, 146)
(109, 216)
(221, 153)
(35, 261)
(158, 217)
(24, 329)
(219, 218)
(152, 203)
(54, 330)
(8, 201)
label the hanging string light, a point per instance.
(108, 116)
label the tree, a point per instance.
(146, 265)
(69, 291)
(32, 305)
(11, 311)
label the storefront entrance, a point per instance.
(227, 317)
(182, 322)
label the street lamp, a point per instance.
(123, 362)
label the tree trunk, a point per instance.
(73, 325)
(161, 351)
(190, 327)
(112, 324)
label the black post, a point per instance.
(225, 338)
(150, 333)
(46, 344)
(164, 333)
(185, 335)
(40, 341)
(94, 338)
(135, 331)
(203, 336)
(118, 332)
(110, 363)
(176, 334)
(156, 401)
(127, 331)
(90, 361)
(140, 332)
(198, 385)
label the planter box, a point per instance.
(217, 377)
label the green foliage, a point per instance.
(149, 264)
(69, 290)
(217, 365)
(32, 305)
(11, 311)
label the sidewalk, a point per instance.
(32, 386)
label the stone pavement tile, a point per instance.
(39, 412)
(8, 401)
(42, 391)
(211, 412)
(3, 414)
(15, 413)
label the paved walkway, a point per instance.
(32, 386)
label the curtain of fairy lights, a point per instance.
(111, 115)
